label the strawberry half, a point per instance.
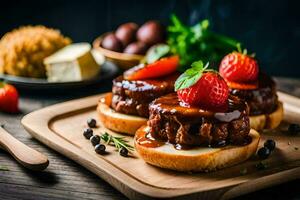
(239, 67)
(201, 87)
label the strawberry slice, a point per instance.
(202, 87)
(159, 68)
(239, 67)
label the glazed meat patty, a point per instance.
(134, 97)
(262, 100)
(171, 121)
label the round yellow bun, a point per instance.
(119, 122)
(269, 121)
(201, 159)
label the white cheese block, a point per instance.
(74, 62)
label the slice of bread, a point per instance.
(119, 122)
(202, 159)
(269, 121)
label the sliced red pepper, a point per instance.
(159, 68)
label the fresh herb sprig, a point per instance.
(191, 75)
(4, 168)
(118, 142)
(198, 42)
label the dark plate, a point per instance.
(108, 70)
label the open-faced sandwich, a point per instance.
(127, 107)
(245, 80)
(200, 128)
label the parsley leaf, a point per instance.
(157, 52)
(191, 75)
(197, 42)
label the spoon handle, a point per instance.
(25, 155)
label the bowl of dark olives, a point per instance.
(128, 44)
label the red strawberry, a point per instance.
(238, 67)
(9, 98)
(210, 91)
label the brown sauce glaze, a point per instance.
(176, 123)
(107, 99)
(145, 139)
(170, 104)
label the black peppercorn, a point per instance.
(88, 133)
(95, 140)
(91, 123)
(124, 152)
(294, 129)
(270, 144)
(264, 153)
(100, 148)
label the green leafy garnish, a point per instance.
(191, 75)
(3, 168)
(118, 142)
(198, 42)
(157, 52)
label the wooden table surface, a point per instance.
(64, 179)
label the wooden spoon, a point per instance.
(26, 156)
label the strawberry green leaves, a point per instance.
(191, 76)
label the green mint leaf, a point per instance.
(198, 65)
(205, 24)
(190, 76)
(157, 52)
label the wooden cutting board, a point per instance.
(60, 127)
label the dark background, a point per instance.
(269, 28)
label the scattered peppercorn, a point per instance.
(88, 133)
(124, 152)
(270, 144)
(100, 148)
(91, 123)
(264, 153)
(95, 140)
(294, 129)
(296, 148)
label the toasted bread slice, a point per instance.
(269, 121)
(201, 159)
(122, 123)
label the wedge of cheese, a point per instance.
(74, 62)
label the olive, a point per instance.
(136, 48)
(126, 33)
(100, 148)
(91, 123)
(124, 152)
(264, 153)
(95, 140)
(88, 133)
(294, 129)
(111, 42)
(152, 32)
(270, 144)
